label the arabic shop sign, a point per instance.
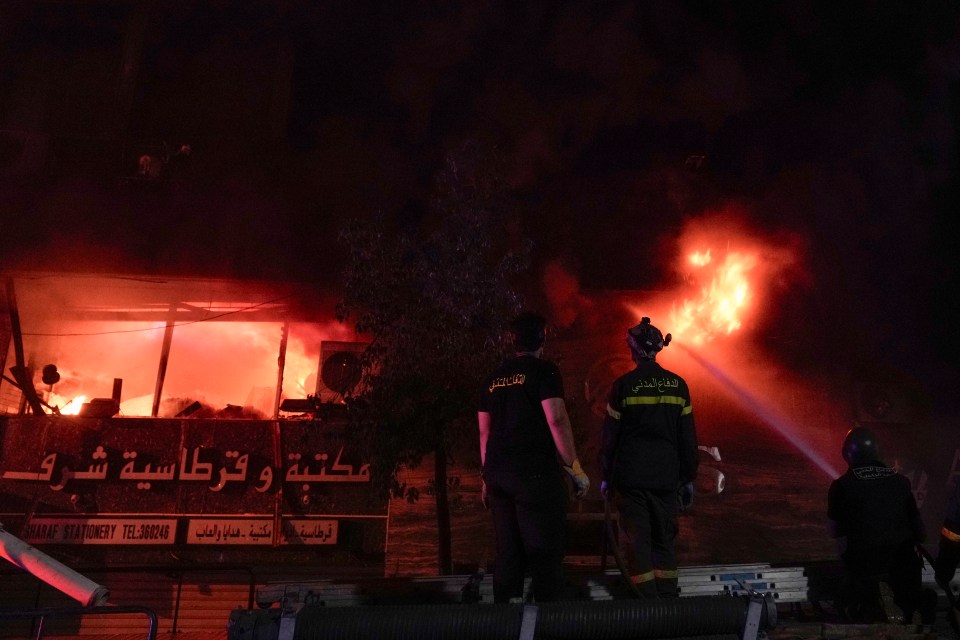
(232, 531)
(205, 531)
(234, 469)
(74, 467)
(260, 531)
(303, 531)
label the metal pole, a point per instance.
(164, 357)
(40, 628)
(34, 624)
(176, 609)
(20, 371)
(281, 363)
(15, 321)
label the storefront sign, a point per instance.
(309, 531)
(100, 531)
(221, 531)
(199, 483)
(190, 469)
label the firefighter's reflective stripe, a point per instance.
(613, 413)
(641, 578)
(667, 574)
(950, 535)
(659, 400)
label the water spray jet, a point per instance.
(769, 415)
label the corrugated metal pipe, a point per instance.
(698, 617)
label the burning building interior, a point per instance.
(212, 350)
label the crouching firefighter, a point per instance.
(649, 461)
(874, 517)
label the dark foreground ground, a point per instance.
(806, 613)
(804, 621)
(809, 622)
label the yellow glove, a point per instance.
(581, 482)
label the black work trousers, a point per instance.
(648, 529)
(530, 522)
(898, 566)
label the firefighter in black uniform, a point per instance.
(949, 554)
(649, 455)
(874, 517)
(525, 441)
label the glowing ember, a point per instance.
(722, 302)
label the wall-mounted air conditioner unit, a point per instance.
(340, 369)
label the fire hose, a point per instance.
(731, 617)
(716, 616)
(615, 548)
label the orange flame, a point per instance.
(72, 407)
(723, 302)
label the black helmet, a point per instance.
(645, 340)
(860, 446)
(529, 330)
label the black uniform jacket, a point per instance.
(649, 438)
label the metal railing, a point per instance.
(176, 571)
(69, 612)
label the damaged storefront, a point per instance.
(144, 419)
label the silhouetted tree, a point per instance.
(436, 300)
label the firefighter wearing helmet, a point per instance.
(649, 461)
(874, 517)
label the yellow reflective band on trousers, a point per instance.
(950, 535)
(643, 577)
(667, 574)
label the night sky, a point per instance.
(832, 122)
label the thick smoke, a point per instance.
(620, 122)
